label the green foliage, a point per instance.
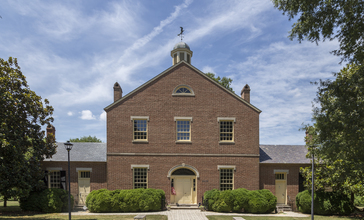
(134, 200)
(86, 139)
(211, 197)
(22, 143)
(241, 199)
(48, 200)
(303, 201)
(224, 81)
(337, 136)
(325, 203)
(338, 19)
(225, 203)
(257, 201)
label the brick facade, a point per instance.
(267, 179)
(97, 177)
(155, 100)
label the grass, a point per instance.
(90, 217)
(12, 206)
(13, 211)
(317, 217)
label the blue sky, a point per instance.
(72, 52)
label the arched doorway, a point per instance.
(184, 184)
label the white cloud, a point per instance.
(87, 115)
(103, 116)
(207, 69)
(69, 113)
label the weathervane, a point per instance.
(181, 34)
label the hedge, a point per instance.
(325, 203)
(133, 200)
(48, 200)
(238, 200)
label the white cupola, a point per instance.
(181, 51)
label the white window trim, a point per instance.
(139, 118)
(140, 166)
(226, 167)
(281, 171)
(84, 169)
(54, 168)
(226, 119)
(183, 118)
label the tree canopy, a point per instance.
(337, 136)
(22, 142)
(224, 81)
(86, 139)
(322, 19)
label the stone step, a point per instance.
(184, 206)
(283, 207)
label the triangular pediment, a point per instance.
(154, 79)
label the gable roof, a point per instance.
(81, 151)
(287, 154)
(169, 69)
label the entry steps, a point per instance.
(184, 206)
(283, 207)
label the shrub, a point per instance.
(241, 199)
(48, 200)
(271, 199)
(211, 197)
(225, 202)
(326, 203)
(258, 201)
(134, 200)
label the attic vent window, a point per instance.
(183, 90)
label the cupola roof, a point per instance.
(181, 45)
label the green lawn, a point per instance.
(13, 211)
(216, 217)
(91, 217)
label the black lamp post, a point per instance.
(68, 147)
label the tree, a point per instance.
(337, 136)
(86, 139)
(343, 20)
(224, 81)
(22, 142)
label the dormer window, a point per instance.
(183, 90)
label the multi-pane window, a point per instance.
(183, 90)
(140, 129)
(54, 179)
(183, 130)
(84, 174)
(280, 176)
(226, 179)
(227, 131)
(140, 178)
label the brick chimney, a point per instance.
(118, 92)
(245, 93)
(51, 132)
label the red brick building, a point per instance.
(184, 133)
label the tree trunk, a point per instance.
(5, 200)
(352, 198)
